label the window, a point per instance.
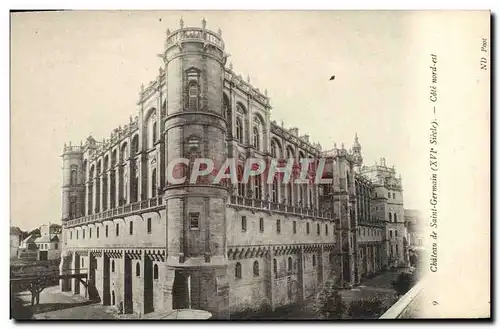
(261, 224)
(153, 183)
(193, 96)
(74, 175)
(307, 228)
(237, 271)
(326, 229)
(278, 226)
(149, 225)
(390, 217)
(244, 223)
(113, 297)
(155, 134)
(389, 195)
(131, 227)
(395, 218)
(294, 227)
(314, 260)
(257, 187)
(155, 272)
(117, 229)
(397, 250)
(90, 232)
(113, 266)
(256, 268)
(275, 191)
(83, 262)
(318, 229)
(331, 256)
(71, 235)
(394, 195)
(194, 220)
(290, 265)
(137, 269)
(390, 233)
(106, 231)
(275, 267)
(396, 233)
(83, 234)
(239, 130)
(256, 138)
(73, 207)
(56, 246)
(97, 233)
(77, 235)
(274, 151)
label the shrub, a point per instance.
(328, 304)
(369, 308)
(403, 283)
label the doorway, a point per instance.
(180, 291)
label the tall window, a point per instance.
(149, 225)
(131, 227)
(274, 149)
(395, 233)
(137, 269)
(153, 183)
(117, 229)
(314, 260)
(290, 265)
(113, 266)
(97, 233)
(83, 234)
(256, 268)
(257, 187)
(275, 191)
(318, 229)
(326, 229)
(193, 96)
(256, 138)
(155, 132)
(390, 233)
(244, 223)
(73, 177)
(275, 267)
(307, 228)
(73, 207)
(237, 270)
(239, 130)
(278, 226)
(261, 224)
(135, 144)
(294, 227)
(395, 218)
(155, 272)
(390, 217)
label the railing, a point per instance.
(278, 207)
(407, 306)
(121, 210)
(195, 33)
(73, 148)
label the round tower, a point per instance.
(195, 127)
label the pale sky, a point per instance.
(79, 73)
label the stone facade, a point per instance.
(150, 245)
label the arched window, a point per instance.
(256, 268)
(74, 175)
(135, 144)
(113, 266)
(153, 183)
(395, 218)
(256, 138)
(257, 187)
(390, 217)
(237, 270)
(314, 260)
(155, 132)
(274, 150)
(239, 130)
(193, 96)
(155, 272)
(275, 267)
(290, 265)
(137, 269)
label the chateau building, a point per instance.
(149, 245)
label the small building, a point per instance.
(15, 241)
(48, 243)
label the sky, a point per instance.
(79, 73)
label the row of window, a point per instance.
(137, 269)
(45, 246)
(389, 195)
(395, 233)
(391, 217)
(117, 230)
(278, 226)
(371, 231)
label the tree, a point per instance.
(328, 304)
(369, 308)
(403, 283)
